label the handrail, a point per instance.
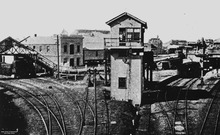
(29, 51)
(115, 42)
(46, 61)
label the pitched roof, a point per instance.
(8, 39)
(40, 40)
(127, 15)
(12, 46)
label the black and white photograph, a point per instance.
(101, 67)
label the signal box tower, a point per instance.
(126, 50)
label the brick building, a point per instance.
(70, 48)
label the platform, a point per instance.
(195, 84)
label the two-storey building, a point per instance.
(126, 48)
(69, 49)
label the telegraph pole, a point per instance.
(203, 55)
(96, 117)
(203, 52)
(106, 62)
(58, 60)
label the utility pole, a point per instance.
(58, 58)
(203, 56)
(203, 52)
(106, 62)
(96, 118)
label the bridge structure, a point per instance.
(12, 47)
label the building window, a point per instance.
(40, 48)
(48, 48)
(72, 62)
(129, 34)
(78, 48)
(122, 83)
(122, 36)
(71, 49)
(65, 48)
(133, 34)
(78, 61)
(34, 47)
(96, 53)
(65, 60)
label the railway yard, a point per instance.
(187, 110)
(46, 105)
(127, 90)
(49, 107)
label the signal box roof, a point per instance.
(127, 15)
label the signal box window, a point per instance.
(133, 34)
(122, 36)
(122, 83)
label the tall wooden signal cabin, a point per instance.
(126, 48)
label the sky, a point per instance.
(169, 19)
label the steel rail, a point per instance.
(216, 92)
(53, 99)
(176, 105)
(186, 106)
(164, 112)
(74, 101)
(32, 104)
(217, 122)
(36, 98)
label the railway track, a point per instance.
(48, 99)
(84, 107)
(48, 111)
(176, 112)
(210, 123)
(180, 121)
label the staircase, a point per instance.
(41, 60)
(10, 46)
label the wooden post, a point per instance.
(58, 58)
(96, 117)
(105, 58)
